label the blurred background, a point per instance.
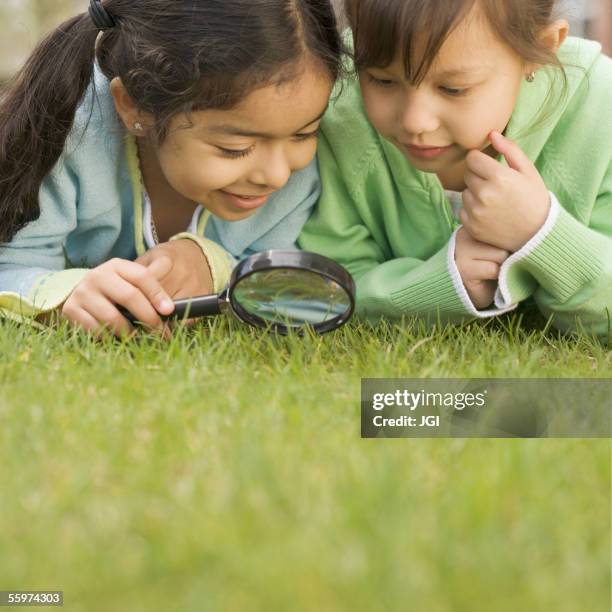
(24, 22)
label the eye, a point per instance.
(454, 92)
(307, 135)
(380, 82)
(235, 153)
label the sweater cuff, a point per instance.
(220, 262)
(432, 288)
(48, 293)
(462, 291)
(562, 257)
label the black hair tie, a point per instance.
(100, 16)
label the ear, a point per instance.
(127, 110)
(553, 36)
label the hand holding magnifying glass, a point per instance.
(281, 290)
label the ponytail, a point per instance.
(172, 57)
(36, 115)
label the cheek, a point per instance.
(490, 111)
(379, 109)
(195, 173)
(302, 154)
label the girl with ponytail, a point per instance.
(146, 145)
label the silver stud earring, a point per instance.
(531, 77)
(138, 126)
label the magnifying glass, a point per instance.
(281, 290)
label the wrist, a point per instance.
(536, 224)
(220, 261)
(201, 265)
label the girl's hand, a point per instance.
(478, 263)
(188, 274)
(93, 303)
(503, 206)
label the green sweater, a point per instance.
(392, 226)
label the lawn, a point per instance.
(224, 471)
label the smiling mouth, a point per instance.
(245, 202)
(425, 153)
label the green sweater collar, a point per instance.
(541, 104)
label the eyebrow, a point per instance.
(232, 130)
(458, 72)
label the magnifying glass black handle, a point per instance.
(202, 306)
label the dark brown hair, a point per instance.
(173, 56)
(417, 29)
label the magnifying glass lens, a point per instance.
(291, 297)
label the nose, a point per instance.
(274, 169)
(418, 113)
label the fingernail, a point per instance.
(166, 306)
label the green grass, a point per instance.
(224, 471)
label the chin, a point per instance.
(425, 165)
(231, 216)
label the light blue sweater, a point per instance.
(92, 210)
